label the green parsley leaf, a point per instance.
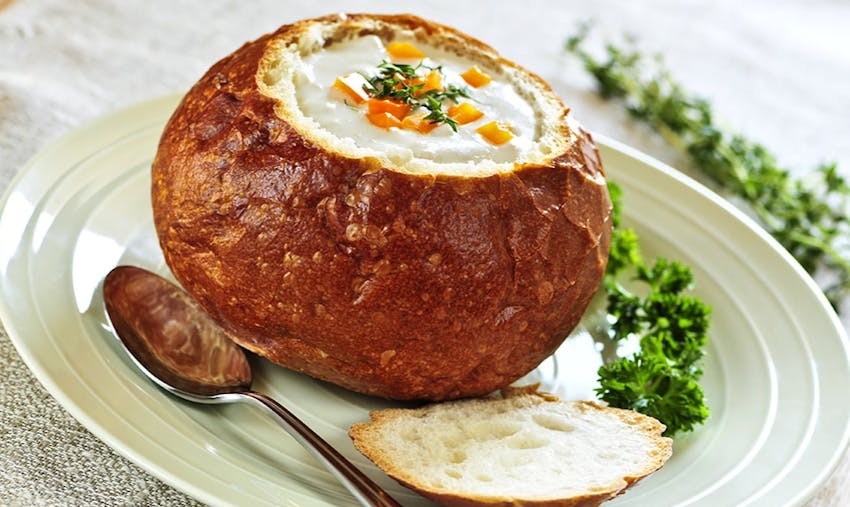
(653, 386)
(662, 378)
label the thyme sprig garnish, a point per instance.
(397, 81)
(809, 217)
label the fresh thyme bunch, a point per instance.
(809, 217)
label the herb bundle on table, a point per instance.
(809, 217)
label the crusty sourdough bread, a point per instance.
(399, 277)
(528, 449)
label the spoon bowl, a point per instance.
(184, 351)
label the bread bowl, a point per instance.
(389, 261)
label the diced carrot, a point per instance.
(397, 109)
(475, 77)
(404, 50)
(418, 123)
(383, 120)
(464, 113)
(433, 81)
(495, 132)
(351, 85)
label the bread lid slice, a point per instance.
(528, 448)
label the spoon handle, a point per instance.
(361, 486)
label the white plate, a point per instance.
(776, 377)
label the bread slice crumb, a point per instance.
(526, 448)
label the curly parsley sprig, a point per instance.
(809, 217)
(662, 378)
(396, 81)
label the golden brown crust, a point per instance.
(403, 286)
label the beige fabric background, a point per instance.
(779, 71)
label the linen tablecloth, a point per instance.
(777, 71)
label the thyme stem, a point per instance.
(808, 217)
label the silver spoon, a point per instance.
(175, 343)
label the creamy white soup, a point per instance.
(348, 117)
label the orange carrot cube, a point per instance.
(418, 123)
(495, 132)
(397, 109)
(351, 86)
(475, 77)
(404, 51)
(433, 81)
(383, 120)
(464, 113)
